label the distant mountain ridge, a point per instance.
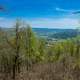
(56, 33)
(50, 33)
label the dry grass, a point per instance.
(49, 71)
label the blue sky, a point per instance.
(41, 13)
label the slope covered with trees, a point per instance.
(24, 56)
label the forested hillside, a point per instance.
(24, 56)
(49, 33)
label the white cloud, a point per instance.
(55, 23)
(62, 10)
(43, 22)
(71, 12)
(4, 22)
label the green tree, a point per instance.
(15, 44)
(31, 48)
(42, 50)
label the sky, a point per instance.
(41, 13)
